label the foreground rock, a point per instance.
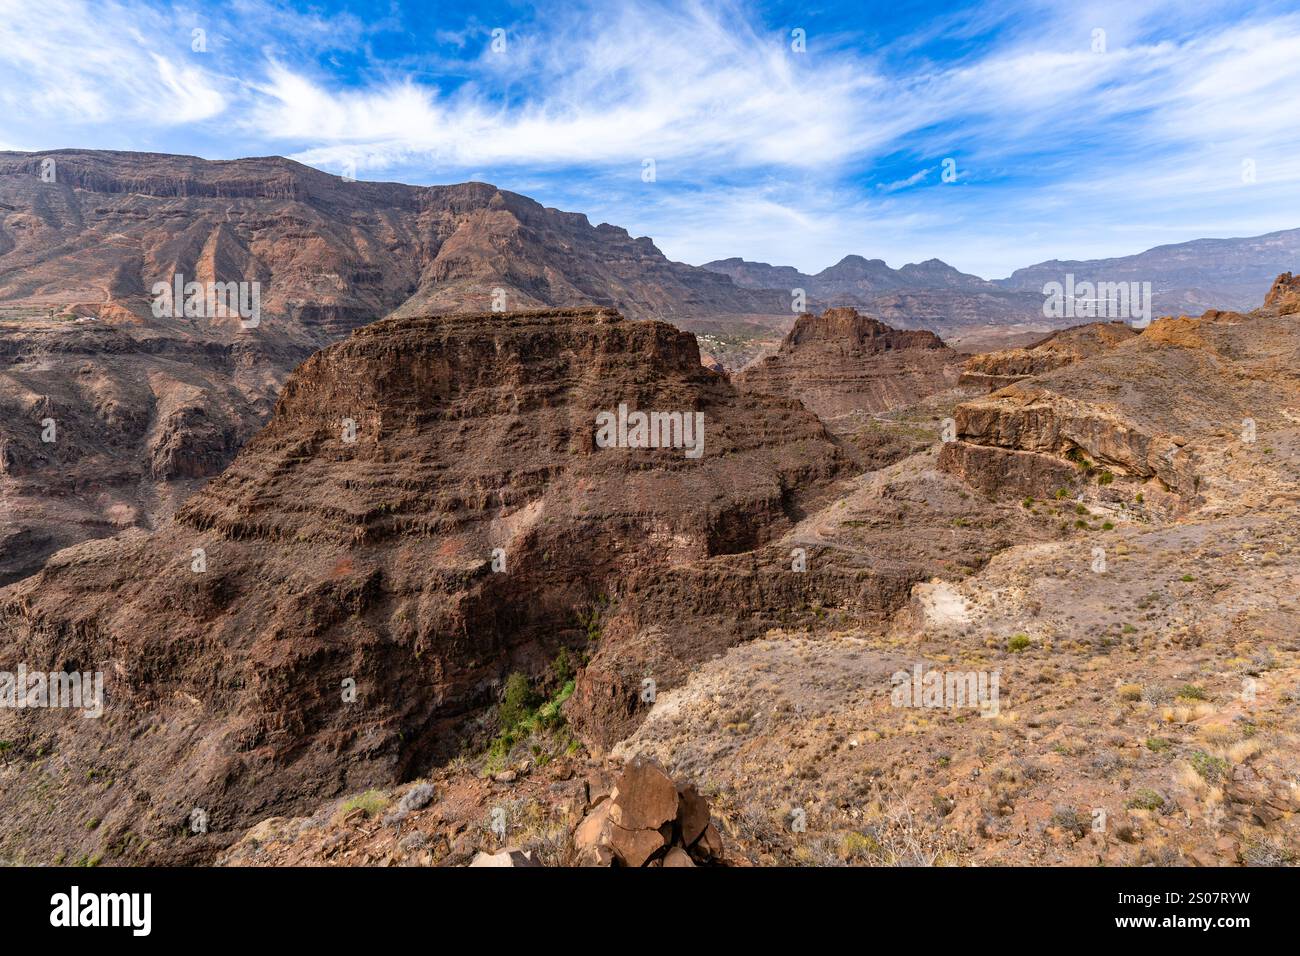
(509, 857)
(648, 820)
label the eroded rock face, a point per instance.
(427, 510)
(1285, 294)
(103, 430)
(841, 362)
(994, 370)
(1147, 409)
(149, 405)
(848, 565)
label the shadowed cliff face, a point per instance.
(428, 509)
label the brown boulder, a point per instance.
(710, 844)
(692, 813)
(644, 798)
(634, 847)
(678, 857)
(511, 856)
(648, 820)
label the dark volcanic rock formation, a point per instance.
(145, 404)
(464, 532)
(841, 362)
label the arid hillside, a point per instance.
(1115, 545)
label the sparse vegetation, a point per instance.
(1212, 769)
(372, 803)
(1146, 799)
(523, 714)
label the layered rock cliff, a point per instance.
(993, 370)
(841, 362)
(1158, 408)
(144, 404)
(428, 509)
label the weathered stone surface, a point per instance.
(709, 845)
(643, 816)
(510, 856)
(841, 362)
(995, 370)
(692, 814)
(644, 797)
(678, 857)
(1146, 409)
(592, 832)
(634, 847)
(147, 405)
(1285, 294)
(371, 560)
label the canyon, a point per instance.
(366, 586)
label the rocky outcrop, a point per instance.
(648, 820)
(994, 370)
(1150, 409)
(1285, 294)
(842, 362)
(428, 509)
(101, 430)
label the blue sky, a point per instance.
(1076, 130)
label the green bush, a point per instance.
(1018, 643)
(1146, 800)
(562, 667)
(1212, 769)
(372, 802)
(516, 703)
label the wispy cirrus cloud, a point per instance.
(1075, 130)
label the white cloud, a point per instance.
(761, 151)
(69, 63)
(912, 180)
(696, 88)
